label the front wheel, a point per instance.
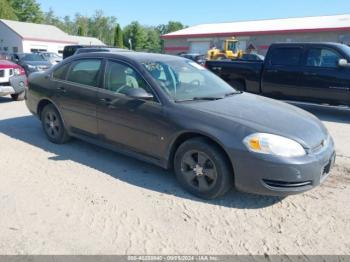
(53, 125)
(203, 169)
(18, 97)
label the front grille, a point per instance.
(284, 184)
(2, 73)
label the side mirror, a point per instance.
(343, 63)
(138, 93)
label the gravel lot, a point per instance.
(81, 199)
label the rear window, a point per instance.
(287, 56)
(60, 73)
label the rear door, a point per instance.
(281, 75)
(76, 94)
(322, 79)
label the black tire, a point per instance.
(208, 179)
(238, 85)
(53, 125)
(18, 97)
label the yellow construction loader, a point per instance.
(230, 51)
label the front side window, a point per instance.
(287, 56)
(85, 72)
(185, 80)
(318, 57)
(120, 78)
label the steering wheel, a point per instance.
(121, 89)
(163, 84)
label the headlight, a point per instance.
(273, 145)
(31, 67)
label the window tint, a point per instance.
(85, 72)
(120, 78)
(286, 56)
(60, 73)
(318, 57)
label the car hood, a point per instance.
(269, 116)
(4, 64)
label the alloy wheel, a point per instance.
(199, 170)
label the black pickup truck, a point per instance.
(311, 72)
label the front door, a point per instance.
(135, 124)
(323, 79)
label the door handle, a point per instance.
(61, 89)
(310, 74)
(272, 70)
(106, 101)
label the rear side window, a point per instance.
(60, 73)
(85, 72)
(287, 56)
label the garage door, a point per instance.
(200, 47)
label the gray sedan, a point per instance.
(174, 113)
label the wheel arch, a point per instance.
(44, 102)
(184, 136)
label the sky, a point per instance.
(193, 12)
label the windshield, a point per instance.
(185, 80)
(32, 57)
(232, 45)
(51, 55)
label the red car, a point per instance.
(12, 80)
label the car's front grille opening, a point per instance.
(284, 184)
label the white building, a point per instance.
(260, 34)
(20, 37)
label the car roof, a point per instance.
(104, 48)
(309, 43)
(136, 56)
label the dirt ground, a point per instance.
(81, 199)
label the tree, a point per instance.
(118, 37)
(153, 37)
(80, 25)
(27, 10)
(172, 26)
(102, 27)
(6, 11)
(136, 34)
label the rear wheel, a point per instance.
(203, 169)
(18, 97)
(53, 125)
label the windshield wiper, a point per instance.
(203, 98)
(233, 93)
(209, 98)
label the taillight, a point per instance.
(19, 71)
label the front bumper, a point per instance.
(6, 89)
(269, 175)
